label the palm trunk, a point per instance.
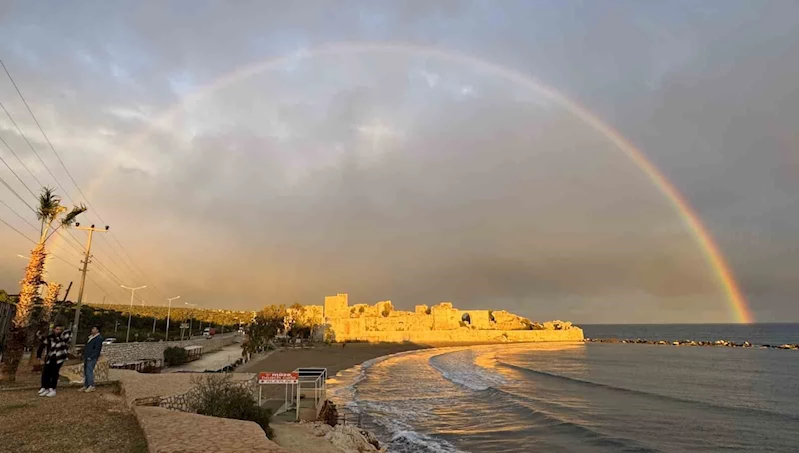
(14, 348)
(18, 333)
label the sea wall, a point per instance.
(465, 335)
(129, 352)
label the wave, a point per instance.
(465, 372)
(402, 437)
(653, 395)
(345, 393)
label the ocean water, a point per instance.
(590, 397)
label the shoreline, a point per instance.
(341, 361)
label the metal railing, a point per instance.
(316, 377)
(358, 420)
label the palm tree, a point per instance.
(42, 323)
(53, 216)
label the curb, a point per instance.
(65, 385)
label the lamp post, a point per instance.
(130, 311)
(168, 313)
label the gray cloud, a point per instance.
(403, 177)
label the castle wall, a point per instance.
(443, 324)
(464, 335)
(478, 319)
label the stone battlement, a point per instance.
(440, 323)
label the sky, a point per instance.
(253, 152)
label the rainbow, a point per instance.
(715, 260)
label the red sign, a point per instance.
(278, 378)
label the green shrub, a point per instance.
(175, 356)
(217, 395)
(329, 413)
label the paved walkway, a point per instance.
(211, 361)
(170, 431)
(178, 432)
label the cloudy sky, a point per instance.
(258, 152)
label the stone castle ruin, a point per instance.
(440, 323)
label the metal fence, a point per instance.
(7, 311)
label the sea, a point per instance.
(585, 397)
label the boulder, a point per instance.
(349, 438)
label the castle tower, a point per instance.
(336, 306)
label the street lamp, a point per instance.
(168, 312)
(130, 311)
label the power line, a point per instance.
(3, 181)
(17, 231)
(79, 248)
(103, 267)
(12, 170)
(32, 149)
(50, 144)
(15, 212)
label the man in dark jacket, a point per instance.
(94, 345)
(56, 345)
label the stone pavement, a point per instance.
(169, 431)
(179, 432)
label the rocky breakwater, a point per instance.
(347, 438)
(719, 343)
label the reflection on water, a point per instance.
(579, 397)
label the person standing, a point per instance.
(56, 345)
(91, 353)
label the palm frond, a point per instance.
(70, 218)
(49, 203)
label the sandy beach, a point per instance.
(294, 437)
(335, 357)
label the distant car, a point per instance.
(109, 340)
(209, 332)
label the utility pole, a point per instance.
(191, 316)
(130, 310)
(85, 262)
(168, 312)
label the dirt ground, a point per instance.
(70, 422)
(26, 377)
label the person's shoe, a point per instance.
(50, 393)
(83, 389)
(42, 391)
(90, 389)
